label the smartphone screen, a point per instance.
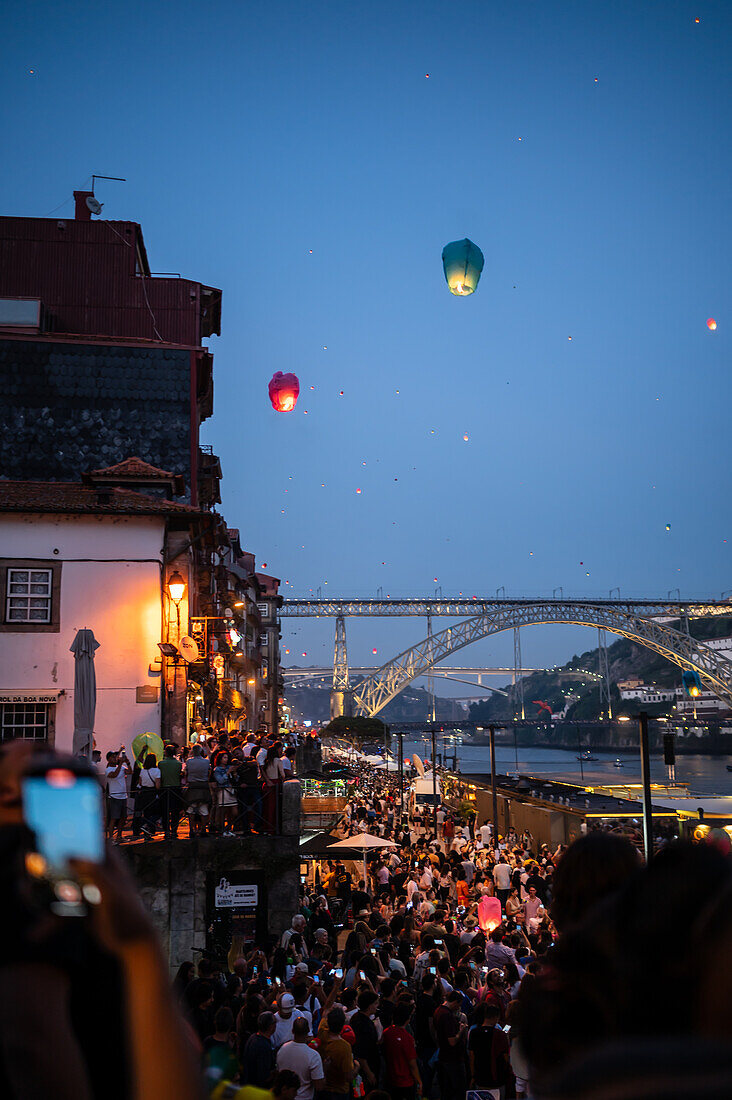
(338, 973)
(316, 979)
(438, 943)
(362, 976)
(433, 970)
(64, 811)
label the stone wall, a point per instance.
(71, 408)
(173, 878)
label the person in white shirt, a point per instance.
(250, 746)
(426, 881)
(297, 1056)
(117, 771)
(146, 796)
(486, 832)
(285, 1019)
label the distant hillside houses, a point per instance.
(653, 693)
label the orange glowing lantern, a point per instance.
(711, 324)
(284, 390)
(490, 914)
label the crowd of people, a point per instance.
(224, 784)
(386, 985)
(600, 978)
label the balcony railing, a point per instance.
(185, 813)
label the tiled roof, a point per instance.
(132, 467)
(71, 497)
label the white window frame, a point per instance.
(29, 596)
(37, 716)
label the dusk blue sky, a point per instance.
(584, 146)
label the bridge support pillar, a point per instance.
(341, 704)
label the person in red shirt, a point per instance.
(400, 1054)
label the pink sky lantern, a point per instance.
(284, 390)
(490, 914)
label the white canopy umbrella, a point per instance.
(362, 842)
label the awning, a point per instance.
(318, 845)
(23, 695)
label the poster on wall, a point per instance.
(229, 896)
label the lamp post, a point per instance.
(434, 779)
(646, 780)
(494, 797)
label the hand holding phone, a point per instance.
(62, 806)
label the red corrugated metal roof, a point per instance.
(89, 276)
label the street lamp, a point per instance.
(176, 587)
(176, 591)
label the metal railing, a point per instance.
(176, 813)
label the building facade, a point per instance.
(106, 381)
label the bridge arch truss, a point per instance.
(378, 689)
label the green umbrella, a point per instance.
(147, 742)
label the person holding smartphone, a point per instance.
(117, 771)
(109, 966)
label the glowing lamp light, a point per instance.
(711, 324)
(176, 587)
(284, 390)
(490, 914)
(462, 262)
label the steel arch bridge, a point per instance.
(715, 670)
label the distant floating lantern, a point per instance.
(284, 390)
(711, 324)
(490, 914)
(668, 526)
(463, 262)
(373, 651)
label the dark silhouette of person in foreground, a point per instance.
(635, 997)
(86, 1006)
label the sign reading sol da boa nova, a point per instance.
(28, 696)
(227, 896)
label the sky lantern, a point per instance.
(711, 324)
(490, 914)
(463, 262)
(284, 390)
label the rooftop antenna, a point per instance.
(118, 179)
(93, 203)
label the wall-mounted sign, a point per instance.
(188, 649)
(227, 896)
(146, 693)
(28, 697)
(218, 663)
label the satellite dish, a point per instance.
(188, 649)
(417, 763)
(94, 204)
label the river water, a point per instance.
(702, 774)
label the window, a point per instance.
(263, 610)
(263, 640)
(29, 596)
(31, 721)
(31, 592)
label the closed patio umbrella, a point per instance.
(83, 647)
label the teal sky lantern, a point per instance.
(463, 262)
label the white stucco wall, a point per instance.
(117, 595)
